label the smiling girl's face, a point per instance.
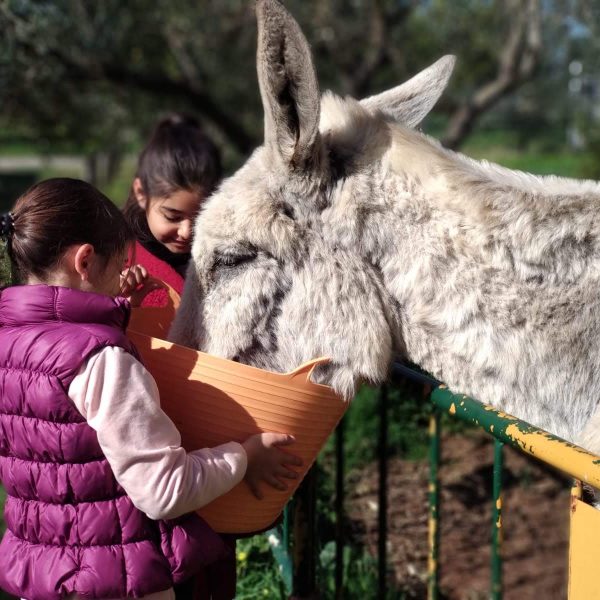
(171, 218)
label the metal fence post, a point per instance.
(382, 493)
(496, 557)
(304, 539)
(434, 505)
(339, 510)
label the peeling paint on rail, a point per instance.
(551, 449)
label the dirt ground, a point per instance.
(535, 522)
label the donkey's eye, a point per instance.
(234, 257)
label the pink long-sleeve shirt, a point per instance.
(119, 399)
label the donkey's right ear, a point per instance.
(410, 102)
(288, 86)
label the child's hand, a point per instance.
(267, 463)
(136, 284)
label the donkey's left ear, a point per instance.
(288, 85)
(410, 102)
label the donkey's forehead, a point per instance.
(251, 207)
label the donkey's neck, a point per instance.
(546, 227)
(486, 263)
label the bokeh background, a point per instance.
(82, 83)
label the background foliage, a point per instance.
(89, 79)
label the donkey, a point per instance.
(352, 235)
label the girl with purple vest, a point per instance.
(100, 493)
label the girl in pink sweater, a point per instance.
(179, 167)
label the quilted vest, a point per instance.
(70, 527)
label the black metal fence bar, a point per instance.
(382, 495)
(339, 510)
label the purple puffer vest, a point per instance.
(70, 527)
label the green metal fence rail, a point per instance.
(506, 429)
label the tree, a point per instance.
(517, 58)
(95, 74)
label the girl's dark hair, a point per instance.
(57, 213)
(178, 156)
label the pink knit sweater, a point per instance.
(158, 269)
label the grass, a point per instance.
(564, 164)
(540, 155)
(18, 148)
(258, 573)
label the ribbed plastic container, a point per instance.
(212, 401)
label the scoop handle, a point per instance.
(174, 297)
(303, 373)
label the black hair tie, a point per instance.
(6, 225)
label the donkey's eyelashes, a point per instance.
(232, 260)
(233, 257)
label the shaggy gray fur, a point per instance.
(352, 236)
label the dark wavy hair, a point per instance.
(178, 156)
(57, 213)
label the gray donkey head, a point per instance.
(351, 235)
(288, 253)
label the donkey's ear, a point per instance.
(288, 85)
(410, 102)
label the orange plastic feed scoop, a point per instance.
(212, 401)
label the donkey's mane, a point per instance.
(466, 172)
(547, 226)
(349, 123)
(547, 185)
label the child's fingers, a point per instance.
(141, 275)
(274, 482)
(135, 275)
(291, 459)
(148, 285)
(255, 489)
(127, 284)
(156, 284)
(287, 474)
(282, 439)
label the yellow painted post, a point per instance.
(434, 506)
(496, 558)
(584, 548)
